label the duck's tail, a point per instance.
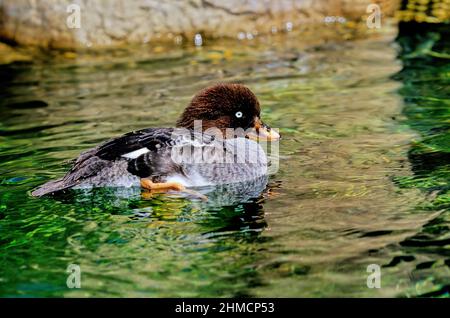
(49, 187)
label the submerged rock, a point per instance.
(9, 55)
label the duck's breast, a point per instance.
(224, 161)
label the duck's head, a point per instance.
(225, 106)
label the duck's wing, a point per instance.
(156, 153)
(148, 152)
(134, 143)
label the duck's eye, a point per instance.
(238, 114)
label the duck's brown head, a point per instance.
(225, 106)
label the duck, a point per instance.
(216, 141)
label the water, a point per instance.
(337, 204)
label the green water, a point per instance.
(346, 195)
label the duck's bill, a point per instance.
(261, 131)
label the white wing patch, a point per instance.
(136, 153)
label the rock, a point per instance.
(47, 23)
